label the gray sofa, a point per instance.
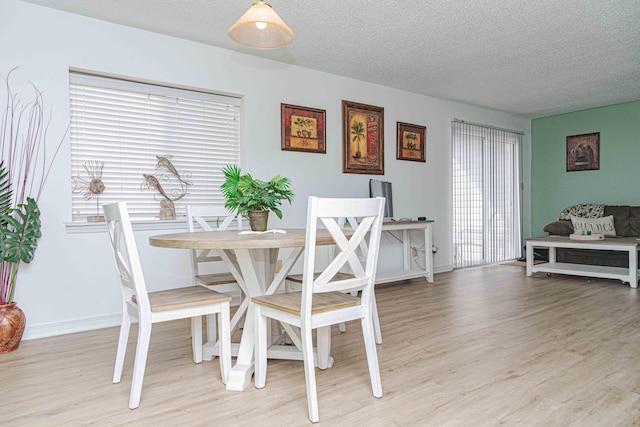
(627, 224)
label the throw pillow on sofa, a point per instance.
(583, 210)
(603, 225)
(559, 228)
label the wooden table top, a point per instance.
(232, 239)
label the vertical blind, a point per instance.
(181, 139)
(486, 195)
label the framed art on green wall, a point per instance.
(583, 152)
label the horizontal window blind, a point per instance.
(181, 139)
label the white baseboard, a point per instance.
(443, 268)
(70, 326)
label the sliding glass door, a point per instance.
(486, 194)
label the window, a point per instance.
(123, 130)
(486, 196)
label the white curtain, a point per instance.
(486, 194)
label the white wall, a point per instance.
(71, 283)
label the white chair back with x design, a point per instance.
(325, 298)
(200, 218)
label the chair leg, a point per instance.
(211, 328)
(376, 320)
(323, 338)
(310, 374)
(142, 349)
(260, 367)
(225, 341)
(372, 355)
(125, 326)
(196, 338)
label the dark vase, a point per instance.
(12, 323)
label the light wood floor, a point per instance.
(479, 347)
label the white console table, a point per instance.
(629, 245)
(407, 272)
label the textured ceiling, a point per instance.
(527, 58)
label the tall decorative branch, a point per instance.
(26, 163)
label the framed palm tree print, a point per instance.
(362, 138)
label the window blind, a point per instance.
(486, 195)
(137, 128)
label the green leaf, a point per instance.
(19, 237)
(277, 212)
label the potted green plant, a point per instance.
(254, 198)
(23, 172)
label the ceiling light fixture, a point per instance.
(260, 27)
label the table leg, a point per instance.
(253, 272)
(530, 256)
(406, 250)
(241, 372)
(633, 267)
(257, 268)
(428, 252)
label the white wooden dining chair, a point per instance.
(294, 281)
(201, 218)
(324, 299)
(151, 307)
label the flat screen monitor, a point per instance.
(379, 188)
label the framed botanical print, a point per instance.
(362, 138)
(303, 129)
(411, 142)
(583, 152)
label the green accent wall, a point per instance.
(617, 182)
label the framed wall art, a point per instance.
(362, 138)
(411, 142)
(303, 129)
(583, 152)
